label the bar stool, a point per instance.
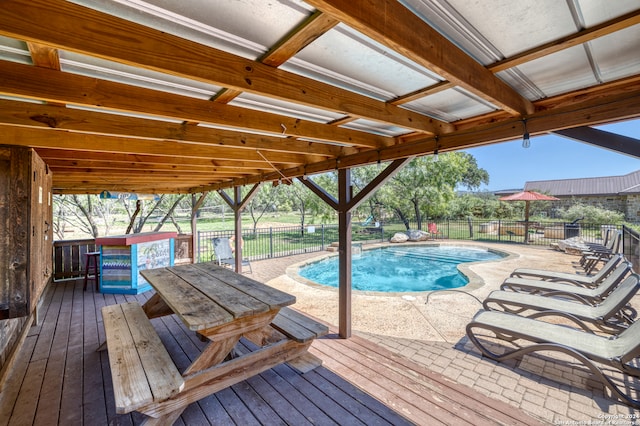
(92, 267)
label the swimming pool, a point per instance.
(401, 269)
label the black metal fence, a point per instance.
(284, 241)
(271, 242)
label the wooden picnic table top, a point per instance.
(206, 295)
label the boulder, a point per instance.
(418, 235)
(399, 237)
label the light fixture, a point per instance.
(435, 152)
(526, 141)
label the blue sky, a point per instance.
(554, 157)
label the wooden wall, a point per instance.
(26, 242)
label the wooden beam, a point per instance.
(584, 36)
(378, 181)
(142, 160)
(581, 37)
(44, 56)
(312, 28)
(26, 81)
(100, 35)
(46, 116)
(597, 110)
(320, 192)
(73, 163)
(611, 141)
(395, 26)
(47, 138)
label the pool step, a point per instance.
(446, 258)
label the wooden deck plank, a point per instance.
(236, 408)
(329, 406)
(368, 379)
(395, 385)
(71, 396)
(493, 409)
(286, 410)
(10, 394)
(54, 373)
(24, 410)
(276, 396)
(442, 395)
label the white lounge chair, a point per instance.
(567, 277)
(588, 348)
(611, 315)
(582, 294)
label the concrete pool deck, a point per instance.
(433, 334)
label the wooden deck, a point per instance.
(59, 378)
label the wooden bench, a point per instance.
(302, 329)
(141, 369)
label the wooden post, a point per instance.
(344, 250)
(238, 205)
(195, 206)
(344, 205)
(237, 227)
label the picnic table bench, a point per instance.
(222, 306)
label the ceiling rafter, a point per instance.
(581, 37)
(313, 27)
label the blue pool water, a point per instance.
(401, 269)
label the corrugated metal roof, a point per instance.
(609, 185)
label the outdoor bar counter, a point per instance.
(122, 257)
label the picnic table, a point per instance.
(222, 306)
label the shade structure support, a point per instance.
(344, 205)
(238, 204)
(195, 206)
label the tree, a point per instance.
(265, 200)
(86, 213)
(426, 186)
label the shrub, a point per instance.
(591, 214)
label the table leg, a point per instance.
(165, 420)
(213, 354)
(156, 307)
(224, 338)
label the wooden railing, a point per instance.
(69, 255)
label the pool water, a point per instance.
(401, 269)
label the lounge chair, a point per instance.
(594, 255)
(224, 254)
(611, 315)
(567, 277)
(582, 294)
(614, 351)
